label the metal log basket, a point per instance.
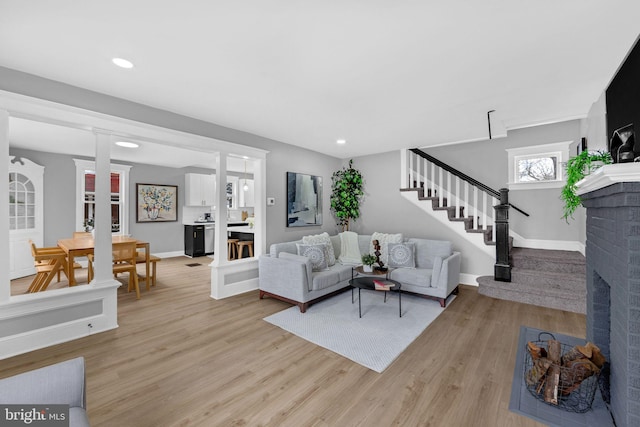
(575, 392)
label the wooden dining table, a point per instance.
(83, 246)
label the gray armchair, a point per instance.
(62, 383)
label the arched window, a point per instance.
(22, 202)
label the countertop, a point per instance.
(198, 223)
(241, 229)
(237, 226)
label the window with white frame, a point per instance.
(86, 197)
(537, 167)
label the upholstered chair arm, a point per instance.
(446, 272)
(288, 275)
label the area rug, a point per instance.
(522, 401)
(376, 339)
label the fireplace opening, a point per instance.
(601, 327)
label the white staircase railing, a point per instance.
(471, 198)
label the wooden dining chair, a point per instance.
(141, 258)
(124, 261)
(48, 263)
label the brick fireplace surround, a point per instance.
(612, 198)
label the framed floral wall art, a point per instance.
(156, 203)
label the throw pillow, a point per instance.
(402, 255)
(384, 239)
(316, 253)
(322, 238)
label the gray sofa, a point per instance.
(59, 384)
(289, 277)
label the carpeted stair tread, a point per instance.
(547, 278)
(543, 285)
(569, 262)
(544, 279)
(552, 296)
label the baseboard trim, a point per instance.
(558, 245)
(169, 254)
(468, 279)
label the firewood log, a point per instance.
(537, 371)
(573, 354)
(589, 351)
(575, 372)
(597, 357)
(536, 351)
(586, 349)
(553, 373)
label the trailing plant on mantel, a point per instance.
(577, 168)
(346, 193)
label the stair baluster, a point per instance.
(475, 210)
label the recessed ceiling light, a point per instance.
(127, 144)
(120, 62)
(341, 141)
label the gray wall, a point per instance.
(60, 200)
(281, 158)
(386, 211)
(486, 161)
(383, 209)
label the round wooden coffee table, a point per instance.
(367, 282)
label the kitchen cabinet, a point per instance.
(194, 240)
(246, 196)
(200, 189)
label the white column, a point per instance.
(220, 256)
(103, 258)
(260, 188)
(5, 281)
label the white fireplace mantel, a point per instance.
(607, 175)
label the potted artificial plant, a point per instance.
(577, 168)
(346, 192)
(367, 262)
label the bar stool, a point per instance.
(232, 249)
(241, 244)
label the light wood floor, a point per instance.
(180, 358)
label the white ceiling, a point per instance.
(77, 142)
(382, 74)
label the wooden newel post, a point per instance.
(502, 267)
